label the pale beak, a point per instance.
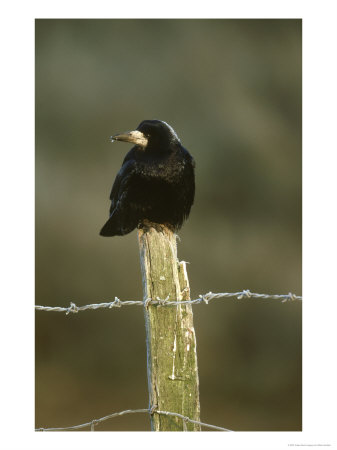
(135, 137)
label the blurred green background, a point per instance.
(232, 91)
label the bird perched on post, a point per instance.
(155, 183)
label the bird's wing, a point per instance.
(122, 179)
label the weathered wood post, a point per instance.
(173, 379)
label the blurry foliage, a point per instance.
(232, 91)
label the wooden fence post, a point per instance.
(173, 379)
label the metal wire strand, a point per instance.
(205, 298)
(150, 411)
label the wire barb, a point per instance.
(72, 308)
(116, 303)
(204, 298)
(289, 298)
(245, 294)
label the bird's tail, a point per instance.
(115, 227)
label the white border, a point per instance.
(17, 224)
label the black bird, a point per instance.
(155, 183)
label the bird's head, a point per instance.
(150, 134)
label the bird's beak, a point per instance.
(135, 137)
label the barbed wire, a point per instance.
(205, 298)
(151, 411)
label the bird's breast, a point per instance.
(165, 171)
